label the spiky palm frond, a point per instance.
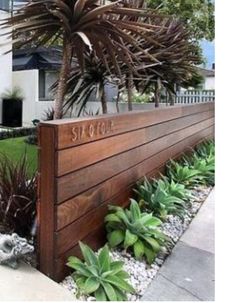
(88, 26)
(108, 31)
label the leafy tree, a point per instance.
(197, 15)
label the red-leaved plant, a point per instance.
(17, 196)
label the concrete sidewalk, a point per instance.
(28, 284)
(189, 272)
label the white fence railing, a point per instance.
(195, 96)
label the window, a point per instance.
(46, 80)
(5, 5)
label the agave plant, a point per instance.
(206, 149)
(184, 174)
(84, 27)
(157, 199)
(173, 188)
(18, 196)
(206, 167)
(203, 160)
(135, 230)
(145, 189)
(98, 275)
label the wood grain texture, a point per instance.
(78, 180)
(81, 227)
(76, 207)
(72, 184)
(95, 237)
(121, 122)
(45, 203)
(73, 159)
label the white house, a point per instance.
(5, 60)
(8, 79)
(34, 73)
(209, 78)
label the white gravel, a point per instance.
(141, 274)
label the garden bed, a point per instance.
(141, 274)
(140, 236)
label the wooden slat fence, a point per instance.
(88, 163)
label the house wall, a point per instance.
(33, 108)
(28, 81)
(5, 66)
(209, 83)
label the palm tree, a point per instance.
(81, 85)
(177, 58)
(83, 27)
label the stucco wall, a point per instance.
(28, 81)
(209, 83)
(5, 66)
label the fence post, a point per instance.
(46, 200)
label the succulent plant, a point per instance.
(135, 230)
(184, 174)
(157, 197)
(98, 275)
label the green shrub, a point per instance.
(98, 275)
(7, 133)
(157, 197)
(16, 93)
(136, 230)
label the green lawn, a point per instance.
(14, 148)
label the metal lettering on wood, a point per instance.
(87, 164)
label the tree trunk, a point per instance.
(117, 101)
(130, 91)
(104, 101)
(172, 101)
(62, 82)
(157, 94)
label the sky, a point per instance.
(208, 52)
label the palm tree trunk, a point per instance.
(172, 101)
(156, 95)
(62, 82)
(117, 101)
(130, 91)
(104, 101)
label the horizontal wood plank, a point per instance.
(76, 207)
(77, 182)
(79, 229)
(73, 159)
(95, 238)
(87, 164)
(99, 127)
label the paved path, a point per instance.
(188, 274)
(28, 284)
